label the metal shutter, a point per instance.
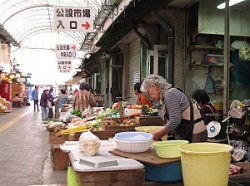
(134, 68)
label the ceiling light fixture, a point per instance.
(231, 3)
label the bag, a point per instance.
(244, 53)
(209, 85)
(89, 143)
(52, 103)
(49, 104)
(213, 116)
(50, 115)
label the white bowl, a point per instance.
(132, 146)
(133, 136)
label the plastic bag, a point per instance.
(244, 53)
(236, 112)
(209, 85)
(89, 143)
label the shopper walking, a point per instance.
(34, 97)
(44, 104)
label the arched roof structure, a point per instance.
(27, 20)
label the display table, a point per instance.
(146, 157)
(127, 172)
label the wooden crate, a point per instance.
(149, 121)
(103, 134)
(106, 178)
(53, 139)
(60, 158)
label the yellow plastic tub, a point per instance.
(168, 149)
(205, 164)
(151, 130)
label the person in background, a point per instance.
(34, 97)
(51, 103)
(62, 99)
(18, 100)
(117, 95)
(203, 101)
(84, 98)
(44, 104)
(142, 99)
(180, 114)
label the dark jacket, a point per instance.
(44, 99)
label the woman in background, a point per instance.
(44, 104)
(62, 99)
(142, 99)
(84, 98)
(203, 101)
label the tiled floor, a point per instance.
(25, 157)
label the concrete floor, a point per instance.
(25, 157)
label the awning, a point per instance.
(74, 80)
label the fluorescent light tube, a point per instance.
(231, 3)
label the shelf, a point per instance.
(219, 65)
(204, 47)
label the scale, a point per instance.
(213, 129)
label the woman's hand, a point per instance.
(159, 133)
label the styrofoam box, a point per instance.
(129, 112)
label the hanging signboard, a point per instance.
(66, 51)
(64, 66)
(77, 19)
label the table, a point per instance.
(132, 176)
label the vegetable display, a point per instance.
(76, 112)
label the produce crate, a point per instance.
(105, 178)
(53, 139)
(149, 121)
(60, 158)
(104, 134)
(2, 111)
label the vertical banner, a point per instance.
(64, 65)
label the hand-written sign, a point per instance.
(64, 66)
(78, 19)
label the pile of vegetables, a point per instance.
(76, 112)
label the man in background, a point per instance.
(34, 97)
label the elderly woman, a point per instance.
(180, 114)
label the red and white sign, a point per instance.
(64, 66)
(66, 51)
(77, 19)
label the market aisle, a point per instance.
(25, 157)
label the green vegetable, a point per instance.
(76, 112)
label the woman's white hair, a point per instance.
(157, 80)
(161, 84)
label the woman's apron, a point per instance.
(185, 130)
